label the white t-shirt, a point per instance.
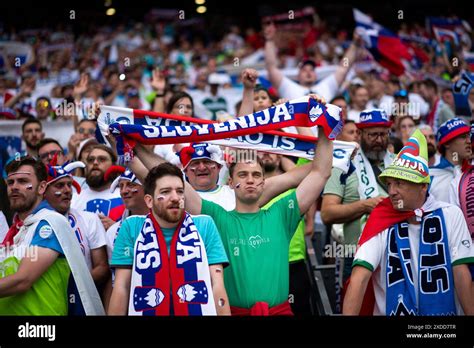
(110, 237)
(108, 203)
(441, 179)
(373, 253)
(384, 103)
(326, 88)
(353, 115)
(3, 226)
(89, 232)
(222, 195)
(453, 192)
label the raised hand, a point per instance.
(249, 78)
(81, 86)
(158, 81)
(269, 31)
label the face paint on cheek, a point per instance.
(161, 198)
(57, 193)
(134, 190)
(29, 187)
(237, 186)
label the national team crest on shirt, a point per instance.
(99, 206)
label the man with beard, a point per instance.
(167, 262)
(86, 226)
(97, 198)
(454, 144)
(433, 155)
(40, 254)
(349, 199)
(32, 133)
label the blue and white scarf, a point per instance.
(303, 112)
(435, 277)
(271, 141)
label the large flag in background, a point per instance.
(443, 35)
(459, 27)
(469, 59)
(386, 47)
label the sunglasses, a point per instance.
(89, 131)
(50, 154)
(100, 159)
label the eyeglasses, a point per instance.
(375, 135)
(89, 131)
(100, 159)
(50, 153)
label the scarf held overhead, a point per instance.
(178, 284)
(269, 141)
(303, 112)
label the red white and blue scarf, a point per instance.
(303, 112)
(174, 284)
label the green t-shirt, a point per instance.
(257, 247)
(49, 294)
(297, 249)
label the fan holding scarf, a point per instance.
(168, 262)
(414, 251)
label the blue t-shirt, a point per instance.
(44, 235)
(123, 253)
(46, 238)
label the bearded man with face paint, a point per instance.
(40, 258)
(168, 262)
(86, 226)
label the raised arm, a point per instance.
(158, 83)
(312, 185)
(291, 179)
(271, 61)
(333, 211)
(249, 79)
(348, 60)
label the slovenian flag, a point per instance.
(386, 47)
(443, 35)
(469, 59)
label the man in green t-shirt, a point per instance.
(257, 240)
